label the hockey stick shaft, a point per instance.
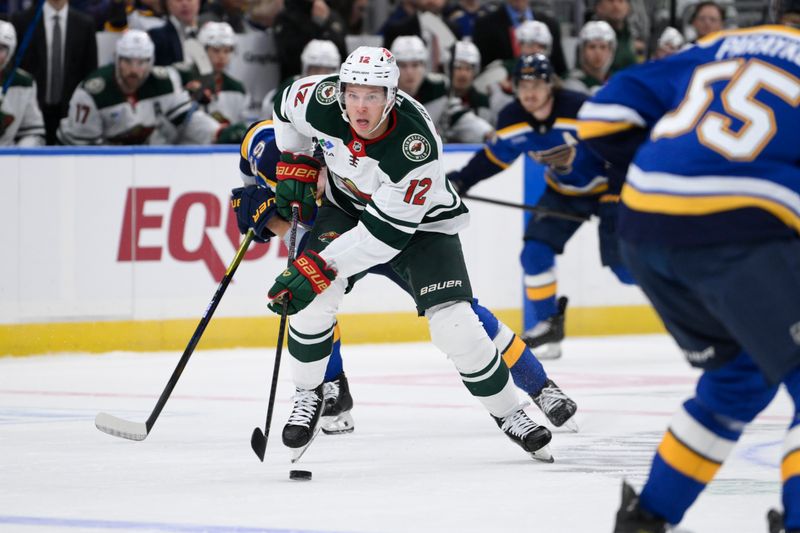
(111, 422)
(23, 47)
(535, 209)
(258, 440)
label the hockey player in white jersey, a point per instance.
(387, 201)
(132, 102)
(228, 102)
(21, 121)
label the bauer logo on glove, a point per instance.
(254, 206)
(297, 184)
(298, 285)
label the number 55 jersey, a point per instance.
(712, 169)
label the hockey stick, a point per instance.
(23, 47)
(542, 212)
(258, 440)
(126, 429)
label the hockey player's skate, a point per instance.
(775, 523)
(633, 519)
(336, 417)
(546, 336)
(304, 422)
(532, 437)
(556, 406)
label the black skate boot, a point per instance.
(303, 424)
(532, 437)
(546, 336)
(775, 523)
(336, 418)
(633, 519)
(556, 406)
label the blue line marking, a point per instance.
(142, 526)
(159, 150)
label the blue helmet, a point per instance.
(533, 67)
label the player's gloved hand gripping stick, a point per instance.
(296, 175)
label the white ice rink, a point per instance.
(424, 457)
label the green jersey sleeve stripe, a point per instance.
(384, 232)
(278, 112)
(391, 220)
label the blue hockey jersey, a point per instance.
(578, 172)
(722, 159)
(258, 155)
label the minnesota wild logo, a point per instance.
(416, 147)
(328, 236)
(325, 93)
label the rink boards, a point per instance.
(122, 248)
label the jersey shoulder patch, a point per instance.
(408, 145)
(102, 87)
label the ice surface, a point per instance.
(424, 456)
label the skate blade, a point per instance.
(571, 425)
(338, 425)
(543, 454)
(547, 352)
(297, 453)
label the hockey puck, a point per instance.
(300, 475)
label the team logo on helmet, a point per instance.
(328, 236)
(416, 147)
(326, 93)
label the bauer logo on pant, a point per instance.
(441, 285)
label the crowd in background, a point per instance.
(169, 82)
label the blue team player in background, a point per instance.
(259, 158)
(542, 122)
(710, 228)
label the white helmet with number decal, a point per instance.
(370, 65)
(320, 53)
(534, 31)
(8, 38)
(217, 35)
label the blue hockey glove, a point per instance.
(254, 206)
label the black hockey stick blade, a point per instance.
(138, 431)
(258, 441)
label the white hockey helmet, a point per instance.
(135, 44)
(370, 65)
(467, 52)
(598, 30)
(410, 48)
(534, 31)
(320, 53)
(217, 35)
(8, 38)
(671, 37)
